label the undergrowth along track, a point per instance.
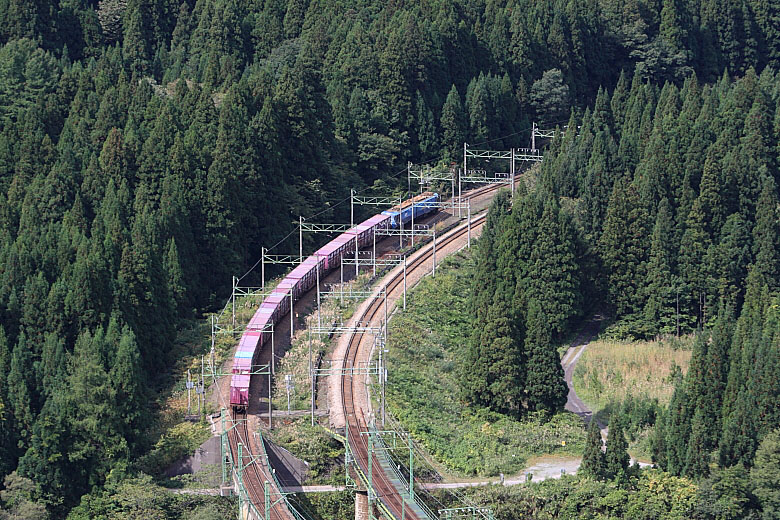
(354, 416)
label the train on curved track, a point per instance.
(303, 278)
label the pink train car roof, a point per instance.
(274, 298)
(242, 363)
(240, 381)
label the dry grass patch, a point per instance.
(609, 371)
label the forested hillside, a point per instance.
(150, 148)
(670, 223)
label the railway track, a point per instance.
(355, 420)
(255, 473)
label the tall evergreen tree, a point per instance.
(453, 125)
(624, 248)
(593, 462)
(546, 388)
(616, 455)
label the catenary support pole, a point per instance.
(270, 405)
(267, 495)
(234, 281)
(412, 222)
(311, 380)
(373, 234)
(400, 223)
(300, 238)
(512, 180)
(404, 282)
(273, 353)
(452, 197)
(357, 264)
(460, 192)
(262, 268)
(351, 208)
(411, 470)
(292, 317)
(468, 234)
(434, 253)
(319, 313)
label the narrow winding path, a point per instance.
(573, 403)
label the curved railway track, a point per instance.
(354, 415)
(255, 472)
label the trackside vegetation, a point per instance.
(150, 150)
(426, 344)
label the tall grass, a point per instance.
(426, 344)
(610, 371)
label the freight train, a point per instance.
(303, 278)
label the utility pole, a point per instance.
(512, 189)
(533, 136)
(300, 238)
(434, 253)
(404, 282)
(468, 209)
(292, 317)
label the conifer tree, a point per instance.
(478, 360)
(695, 242)
(616, 456)
(766, 234)
(20, 385)
(127, 383)
(593, 462)
(659, 290)
(453, 124)
(697, 464)
(546, 388)
(624, 248)
(765, 474)
(8, 451)
(552, 276)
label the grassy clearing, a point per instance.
(425, 343)
(634, 377)
(610, 371)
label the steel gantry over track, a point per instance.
(513, 155)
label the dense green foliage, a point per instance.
(425, 348)
(653, 495)
(525, 293)
(150, 148)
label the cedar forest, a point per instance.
(150, 148)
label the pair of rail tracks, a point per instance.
(354, 416)
(255, 475)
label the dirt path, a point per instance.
(569, 362)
